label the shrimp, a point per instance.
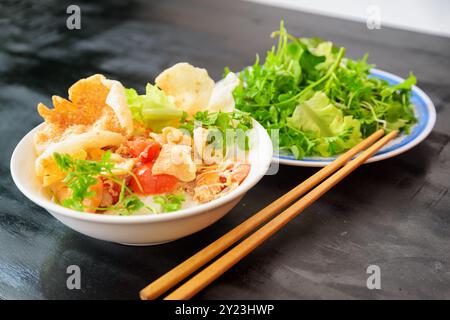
(219, 181)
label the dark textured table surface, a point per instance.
(394, 214)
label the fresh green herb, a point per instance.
(321, 102)
(81, 176)
(229, 125)
(130, 204)
(169, 202)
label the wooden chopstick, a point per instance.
(186, 268)
(222, 264)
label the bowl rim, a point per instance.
(264, 141)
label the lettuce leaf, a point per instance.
(326, 124)
(154, 109)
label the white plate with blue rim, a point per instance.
(426, 117)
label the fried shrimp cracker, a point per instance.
(190, 87)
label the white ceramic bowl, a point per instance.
(140, 229)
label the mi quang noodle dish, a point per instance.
(111, 150)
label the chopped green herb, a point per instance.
(81, 175)
(169, 202)
(228, 124)
(130, 204)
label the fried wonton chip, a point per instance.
(190, 87)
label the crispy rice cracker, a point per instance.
(88, 107)
(190, 87)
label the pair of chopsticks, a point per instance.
(225, 262)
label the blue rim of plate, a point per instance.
(426, 115)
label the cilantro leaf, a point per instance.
(169, 202)
(81, 176)
(228, 124)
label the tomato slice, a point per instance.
(151, 184)
(147, 151)
(150, 153)
(136, 146)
